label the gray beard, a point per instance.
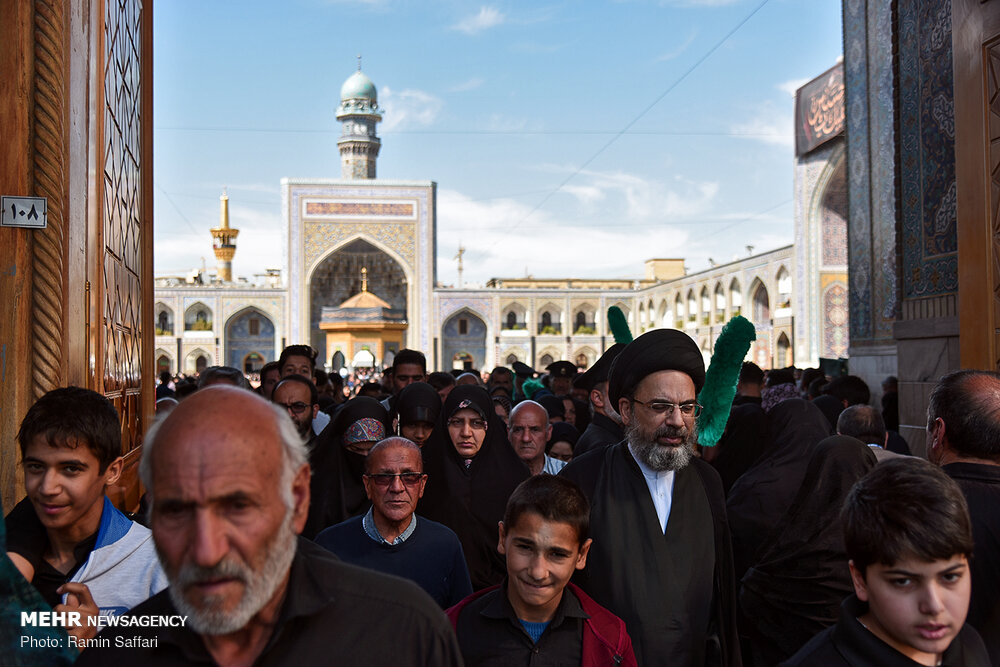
(660, 457)
(259, 584)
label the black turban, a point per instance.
(598, 373)
(657, 350)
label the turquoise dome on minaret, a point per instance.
(358, 87)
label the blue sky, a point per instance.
(566, 139)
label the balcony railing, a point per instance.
(549, 330)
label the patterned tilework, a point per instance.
(927, 149)
(859, 161)
(835, 330)
(871, 118)
(835, 221)
(885, 288)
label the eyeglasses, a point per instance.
(477, 424)
(298, 407)
(666, 408)
(385, 479)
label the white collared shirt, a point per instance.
(661, 489)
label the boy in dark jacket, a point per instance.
(536, 611)
(908, 537)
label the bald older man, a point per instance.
(229, 488)
(529, 431)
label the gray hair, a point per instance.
(293, 456)
(233, 376)
(393, 441)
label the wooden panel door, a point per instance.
(120, 235)
(976, 44)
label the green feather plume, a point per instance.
(531, 387)
(722, 377)
(619, 325)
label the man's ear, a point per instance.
(625, 410)
(597, 398)
(938, 430)
(113, 471)
(858, 579)
(315, 410)
(581, 559)
(503, 534)
(300, 498)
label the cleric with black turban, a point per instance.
(661, 557)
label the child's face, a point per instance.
(65, 485)
(915, 606)
(541, 558)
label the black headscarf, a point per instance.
(336, 488)
(418, 402)
(831, 407)
(796, 589)
(762, 495)
(563, 431)
(471, 501)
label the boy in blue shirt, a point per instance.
(536, 612)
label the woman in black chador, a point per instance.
(472, 470)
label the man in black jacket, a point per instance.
(605, 427)
(963, 437)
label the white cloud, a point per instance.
(601, 224)
(678, 50)
(792, 85)
(409, 108)
(488, 17)
(769, 125)
(469, 84)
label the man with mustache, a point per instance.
(229, 492)
(661, 559)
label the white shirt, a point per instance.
(661, 489)
(320, 421)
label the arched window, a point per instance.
(511, 358)
(581, 320)
(784, 288)
(761, 305)
(546, 360)
(511, 319)
(735, 297)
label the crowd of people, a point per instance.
(517, 517)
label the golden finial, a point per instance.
(364, 279)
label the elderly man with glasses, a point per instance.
(391, 538)
(661, 559)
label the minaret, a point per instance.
(224, 241)
(358, 112)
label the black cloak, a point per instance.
(471, 501)
(743, 441)
(796, 588)
(674, 590)
(336, 489)
(764, 493)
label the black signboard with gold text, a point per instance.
(819, 110)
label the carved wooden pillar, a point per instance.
(49, 179)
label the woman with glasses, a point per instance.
(472, 470)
